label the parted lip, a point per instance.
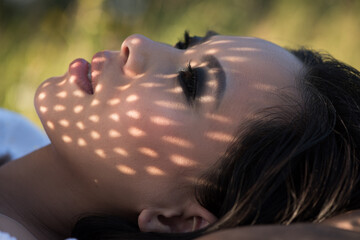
(78, 71)
(86, 75)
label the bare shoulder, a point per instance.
(14, 228)
(282, 232)
(348, 221)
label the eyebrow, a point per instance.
(213, 64)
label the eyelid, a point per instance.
(199, 83)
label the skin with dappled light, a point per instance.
(138, 133)
(134, 138)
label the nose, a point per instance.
(143, 54)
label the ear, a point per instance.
(174, 220)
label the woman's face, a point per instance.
(153, 125)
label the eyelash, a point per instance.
(189, 78)
(189, 82)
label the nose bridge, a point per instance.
(144, 54)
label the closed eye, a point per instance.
(191, 81)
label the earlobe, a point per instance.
(199, 223)
(171, 221)
(148, 221)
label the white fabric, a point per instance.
(6, 236)
(19, 136)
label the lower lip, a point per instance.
(78, 70)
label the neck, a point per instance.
(40, 193)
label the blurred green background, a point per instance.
(39, 38)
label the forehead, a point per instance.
(256, 71)
(234, 49)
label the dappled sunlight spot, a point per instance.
(189, 51)
(75, 64)
(94, 102)
(136, 76)
(174, 90)
(220, 42)
(346, 224)
(177, 141)
(212, 83)
(133, 114)
(193, 180)
(113, 101)
(98, 87)
(114, 134)
(171, 105)
(219, 136)
(94, 118)
(203, 64)
(124, 87)
(80, 125)
(81, 142)
(264, 87)
(245, 49)
(95, 135)
(148, 152)
(62, 94)
(218, 118)
(252, 116)
(78, 93)
(212, 51)
(125, 169)
(132, 98)
(43, 109)
(115, 117)
(151, 84)
(100, 152)
(207, 99)
(47, 84)
(233, 59)
(50, 125)
(182, 161)
(214, 71)
(121, 152)
(166, 76)
(62, 82)
(64, 122)
(78, 108)
(59, 108)
(136, 132)
(152, 170)
(99, 58)
(163, 121)
(94, 74)
(72, 79)
(66, 138)
(195, 63)
(200, 181)
(135, 41)
(42, 96)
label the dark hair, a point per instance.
(298, 162)
(4, 159)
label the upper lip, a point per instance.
(96, 67)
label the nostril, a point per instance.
(126, 52)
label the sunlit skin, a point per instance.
(136, 146)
